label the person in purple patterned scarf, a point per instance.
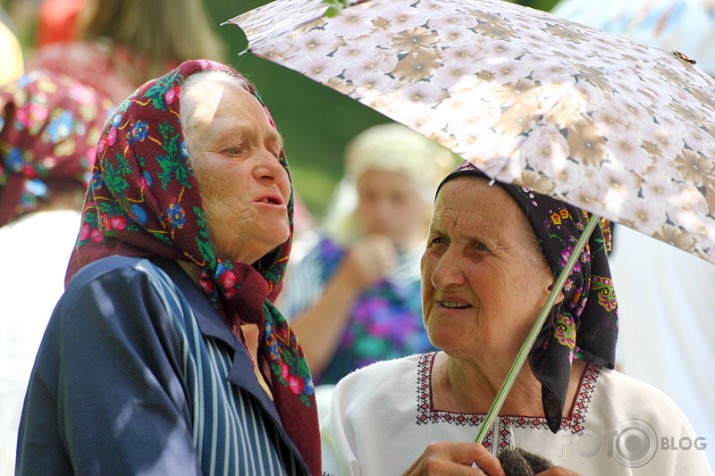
(354, 298)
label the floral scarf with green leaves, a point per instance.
(584, 325)
(143, 200)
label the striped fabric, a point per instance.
(230, 431)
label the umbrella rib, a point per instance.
(535, 329)
(259, 31)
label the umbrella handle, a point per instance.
(535, 329)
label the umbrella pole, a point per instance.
(534, 332)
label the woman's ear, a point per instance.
(559, 298)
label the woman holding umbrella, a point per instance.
(488, 269)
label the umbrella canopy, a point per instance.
(685, 25)
(615, 127)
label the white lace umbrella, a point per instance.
(612, 126)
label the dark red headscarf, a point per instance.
(144, 201)
(584, 325)
(49, 125)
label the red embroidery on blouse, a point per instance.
(427, 414)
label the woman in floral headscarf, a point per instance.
(185, 236)
(49, 126)
(491, 260)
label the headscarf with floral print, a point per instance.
(584, 325)
(49, 125)
(144, 201)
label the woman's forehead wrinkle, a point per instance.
(471, 222)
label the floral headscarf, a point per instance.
(48, 127)
(584, 325)
(144, 201)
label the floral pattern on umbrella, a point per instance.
(602, 122)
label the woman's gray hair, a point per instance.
(199, 93)
(390, 147)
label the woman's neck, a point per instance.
(467, 387)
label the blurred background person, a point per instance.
(11, 60)
(355, 296)
(49, 127)
(120, 44)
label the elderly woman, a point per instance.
(184, 238)
(355, 297)
(491, 258)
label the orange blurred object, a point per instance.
(57, 21)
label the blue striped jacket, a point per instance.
(138, 374)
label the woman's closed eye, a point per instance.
(275, 149)
(233, 150)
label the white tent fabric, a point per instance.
(666, 300)
(682, 25)
(34, 251)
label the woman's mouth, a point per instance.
(270, 200)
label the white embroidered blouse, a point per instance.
(382, 418)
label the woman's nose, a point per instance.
(447, 272)
(382, 211)
(269, 168)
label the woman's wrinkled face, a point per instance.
(484, 280)
(390, 204)
(244, 189)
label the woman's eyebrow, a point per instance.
(276, 137)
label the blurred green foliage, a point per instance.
(538, 4)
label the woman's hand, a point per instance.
(321, 326)
(450, 458)
(369, 260)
